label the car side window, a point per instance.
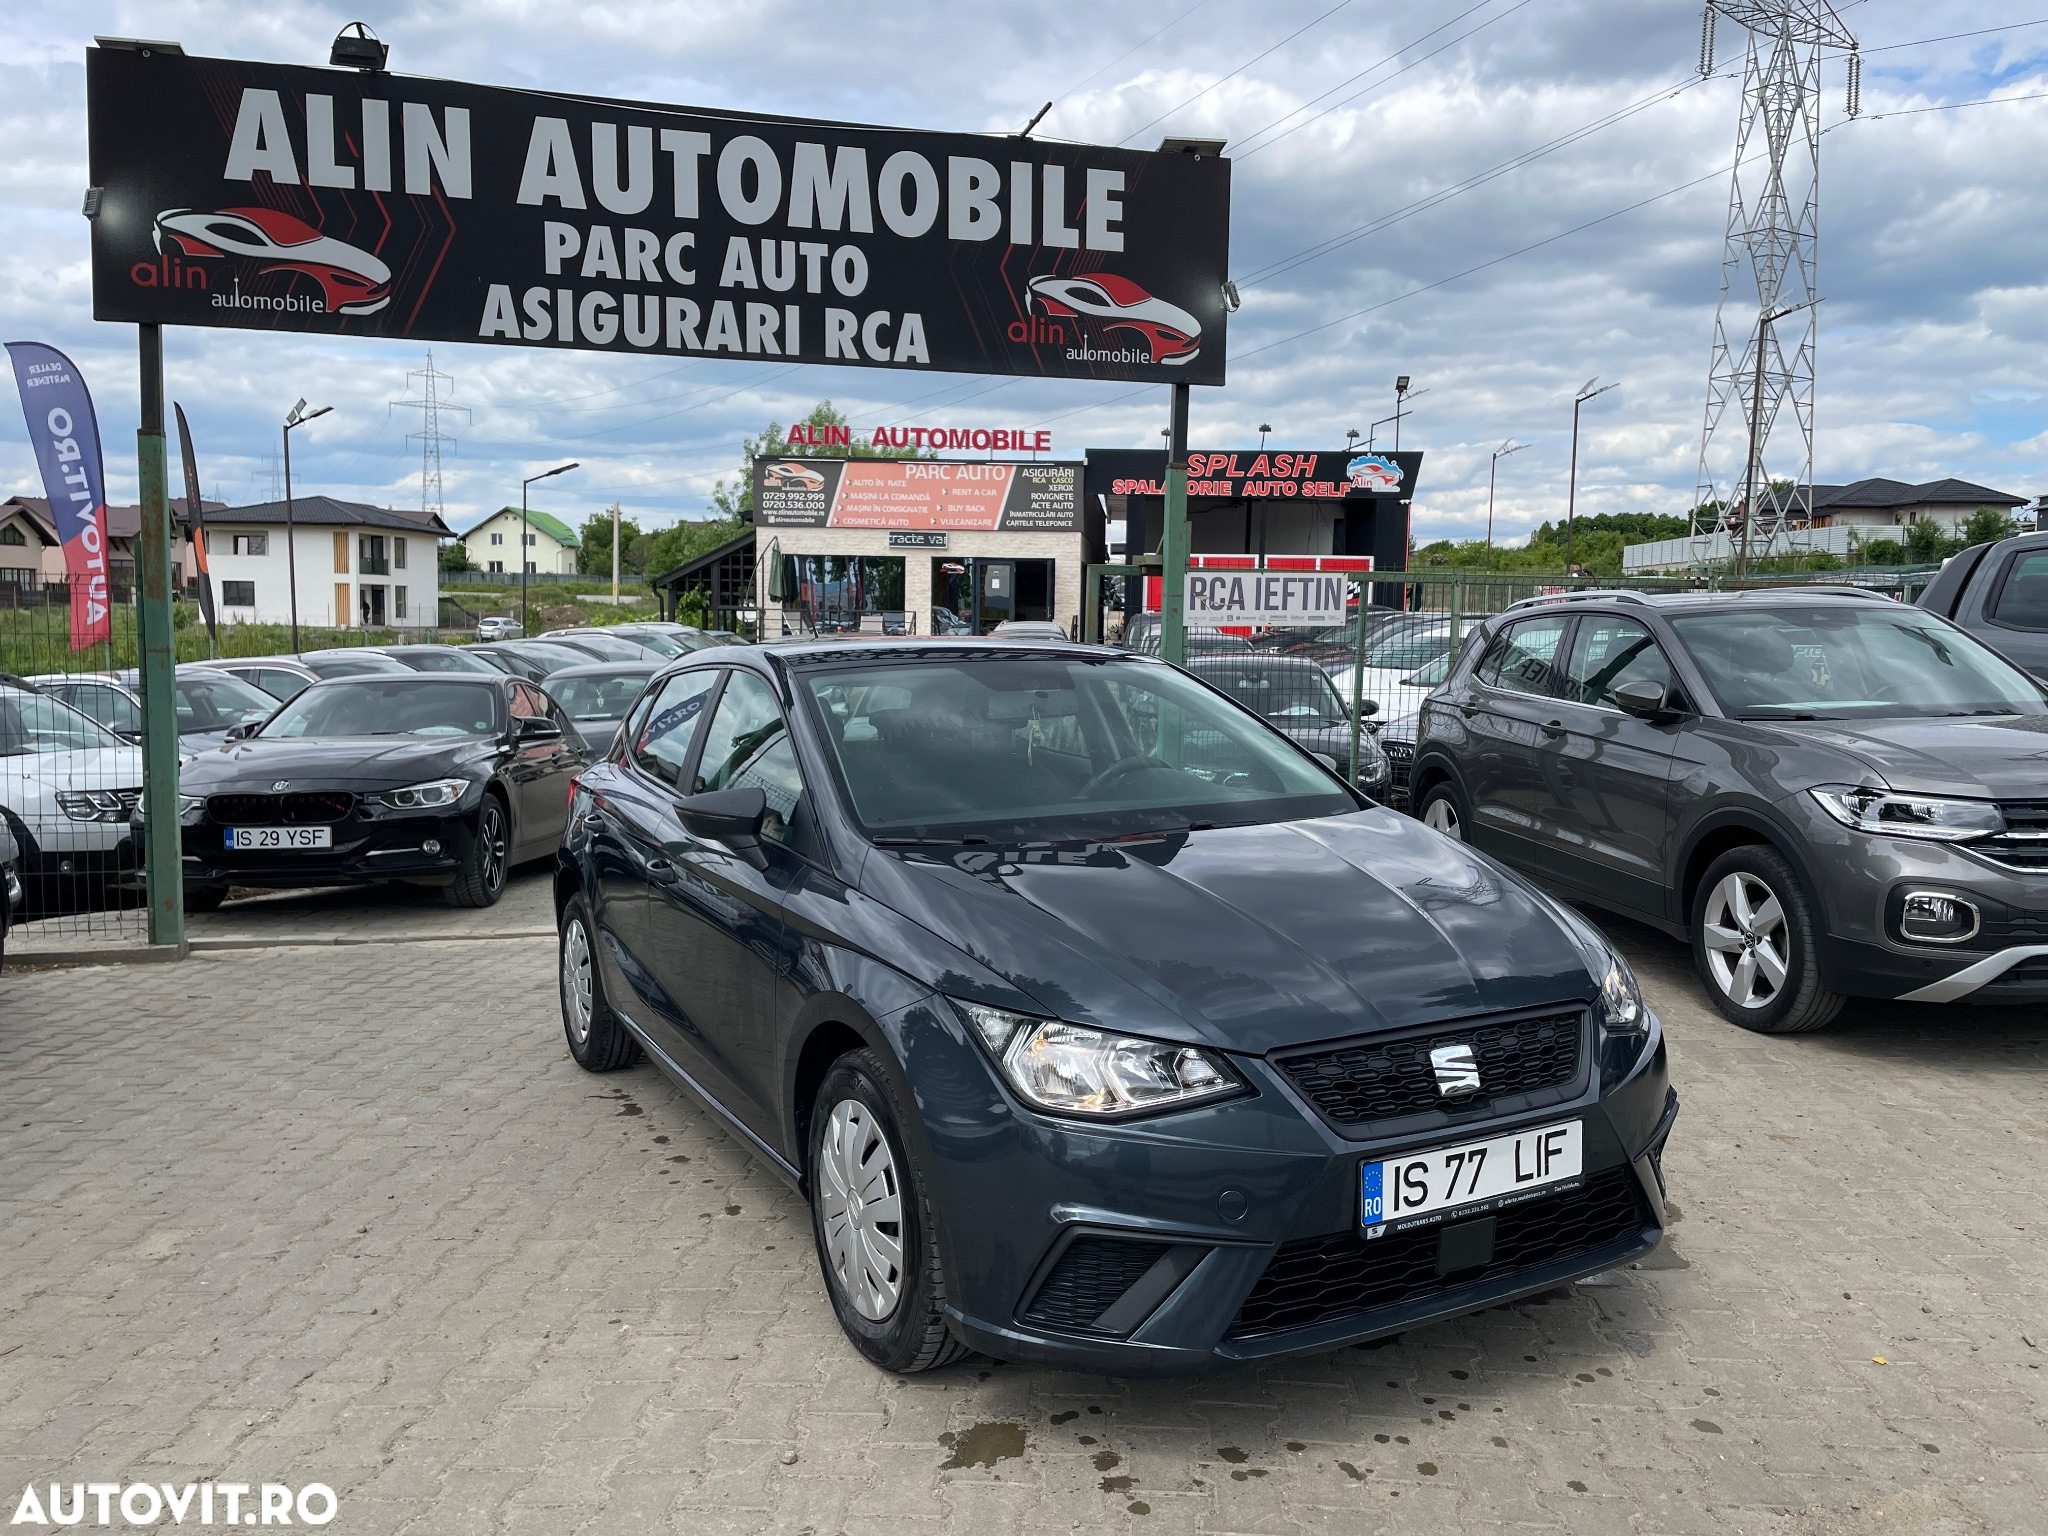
(665, 728)
(528, 700)
(286, 685)
(1608, 652)
(747, 745)
(1522, 659)
(2023, 596)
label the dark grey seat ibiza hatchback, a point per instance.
(1099, 1024)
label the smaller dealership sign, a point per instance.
(1266, 599)
(915, 495)
(972, 439)
(1250, 476)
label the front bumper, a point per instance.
(386, 846)
(1195, 1240)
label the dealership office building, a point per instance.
(944, 546)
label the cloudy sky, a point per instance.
(1499, 296)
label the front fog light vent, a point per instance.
(1936, 917)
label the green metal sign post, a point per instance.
(1173, 537)
(162, 853)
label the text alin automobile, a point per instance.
(1173, 335)
(352, 281)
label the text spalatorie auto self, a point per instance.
(293, 198)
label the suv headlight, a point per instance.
(1072, 1070)
(423, 797)
(94, 804)
(1930, 816)
(1619, 1006)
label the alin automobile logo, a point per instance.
(1373, 472)
(1171, 335)
(792, 477)
(1456, 1071)
(352, 281)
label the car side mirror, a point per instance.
(729, 816)
(1368, 707)
(536, 728)
(243, 731)
(1645, 699)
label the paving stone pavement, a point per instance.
(349, 1214)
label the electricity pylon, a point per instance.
(428, 402)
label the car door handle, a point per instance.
(662, 870)
(1553, 728)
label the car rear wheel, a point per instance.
(1442, 812)
(876, 1239)
(597, 1038)
(482, 878)
(1754, 943)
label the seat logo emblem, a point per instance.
(1456, 1071)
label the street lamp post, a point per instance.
(298, 418)
(1493, 470)
(559, 469)
(1587, 391)
(1400, 399)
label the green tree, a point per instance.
(1987, 525)
(1926, 543)
(594, 554)
(1884, 552)
(455, 558)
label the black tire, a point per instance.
(205, 898)
(597, 1039)
(911, 1334)
(484, 864)
(1443, 809)
(1755, 944)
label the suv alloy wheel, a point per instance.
(1753, 940)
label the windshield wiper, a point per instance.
(926, 842)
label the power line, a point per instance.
(1112, 64)
(1922, 42)
(1247, 64)
(1953, 106)
(1245, 154)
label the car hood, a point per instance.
(366, 762)
(1997, 757)
(91, 768)
(1247, 938)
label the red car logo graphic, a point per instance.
(352, 280)
(1174, 335)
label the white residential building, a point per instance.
(551, 544)
(357, 565)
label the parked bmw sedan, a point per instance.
(1827, 793)
(1099, 1023)
(435, 780)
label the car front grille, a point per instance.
(298, 808)
(2024, 843)
(1365, 1082)
(1319, 1279)
(1087, 1280)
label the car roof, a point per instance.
(1748, 597)
(610, 669)
(913, 649)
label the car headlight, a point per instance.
(95, 804)
(1930, 816)
(1619, 1006)
(424, 797)
(191, 810)
(1072, 1070)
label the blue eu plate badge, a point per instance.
(1372, 1200)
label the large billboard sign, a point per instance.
(334, 201)
(917, 495)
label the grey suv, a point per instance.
(1829, 793)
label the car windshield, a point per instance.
(1017, 748)
(599, 695)
(216, 703)
(549, 657)
(425, 660)
(1851, 661)
(610, 647)
(1409, 647)
(354, 666)
(654, 640)
(31, 723)
(393, 707)
(1432, 674)
(1298, 697)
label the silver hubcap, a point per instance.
(1441, 816)
(860, 1203)
(1747, 940)
(576, 998)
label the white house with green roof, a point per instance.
(551, 544)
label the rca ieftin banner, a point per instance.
(283, 197)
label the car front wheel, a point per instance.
(597, 1038)
(481, 881)
(1754, 942)
(1441, 812)
(876, 1239)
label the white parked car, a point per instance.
(67, 788)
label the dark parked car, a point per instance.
(534, 660)
(282, 677)
(1999, 593)
(436, 780)
(1099, 1023)
(598, 696)
(210, 702)
(1297, 696)
(1141, 634)
(440, 658)
(1828, 793)
(352, 661)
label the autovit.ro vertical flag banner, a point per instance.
(195, 524)
(293, 198)
(66, 435)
